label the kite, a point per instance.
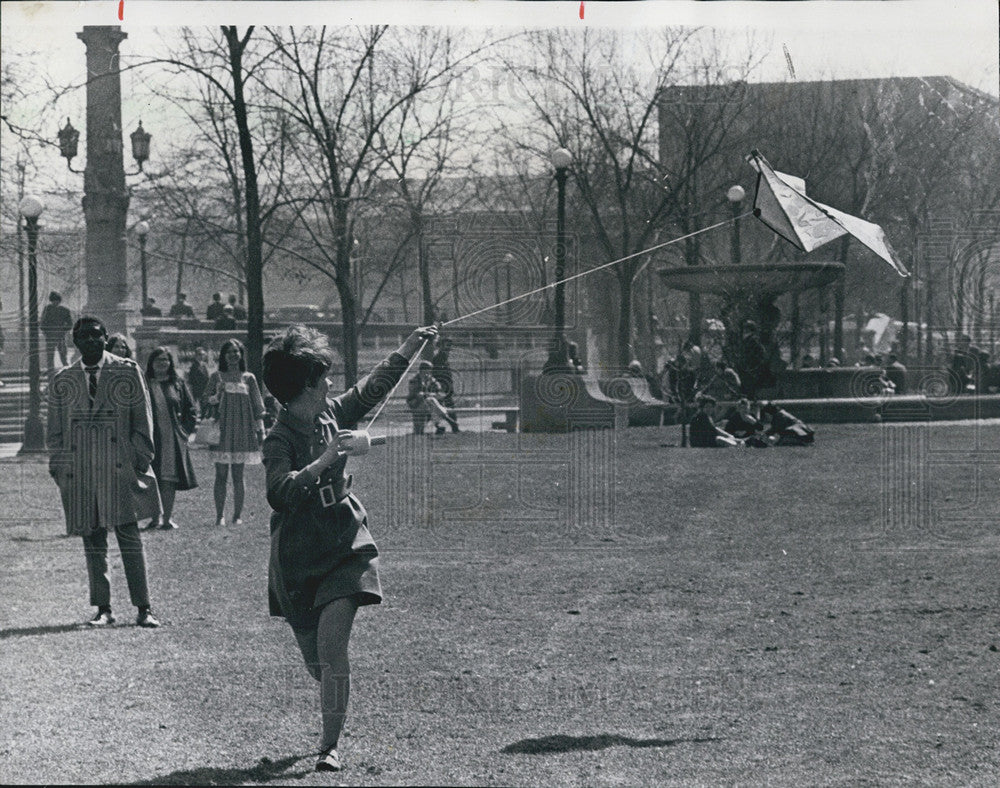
(781, 203)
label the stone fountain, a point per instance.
(749, 293)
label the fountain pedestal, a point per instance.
(749, 293)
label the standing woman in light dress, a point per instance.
(241, 425)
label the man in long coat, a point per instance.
(100, 437)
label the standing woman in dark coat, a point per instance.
(174, 418)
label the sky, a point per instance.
(823, 38)
(808, 40)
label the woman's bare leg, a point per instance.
(239, 491)
(332, 638)
(168, 491)
(221, 476)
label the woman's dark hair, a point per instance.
(122, 340)
(155, 354)
(232, 343)
(298, 357)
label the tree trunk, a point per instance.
(255, 252)
(838, 303)
(625, 320)
(424, 269)
(402, 294)
(348, 301)
(695, 314)
(793, 351)
(180, 263)
(929, 318)
(904, 316)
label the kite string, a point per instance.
(597, 268)
(386, 398)
(416, 355)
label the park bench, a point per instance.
(510, 422)
(511, 415)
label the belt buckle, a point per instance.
(327, 495)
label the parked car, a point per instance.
(296, 313)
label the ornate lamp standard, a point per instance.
(557, 361)
(735, 196)
(142, 230)
(69, 144)
(34, 434)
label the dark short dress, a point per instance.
(174, 418)
(321, 548)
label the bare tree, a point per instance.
(586, 95)
(351, 92)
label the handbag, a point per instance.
(207, 432)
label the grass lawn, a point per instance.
(597, 609)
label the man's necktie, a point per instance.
(92, 383)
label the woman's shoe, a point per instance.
(238, 521)
(220, 522)
(169, 525)
(329, 761)
(152, 525)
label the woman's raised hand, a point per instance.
(419, 336)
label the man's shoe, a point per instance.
(152, 525)
(146, 619)
(102, 619)
(328, 761)
(169, 525)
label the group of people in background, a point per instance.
(971, 370)
(104, 407)
(754, 424)
(230, 396)
(225, 315)
(222, 315)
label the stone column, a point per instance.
(105, 201)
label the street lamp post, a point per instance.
(561, 159)
(735, 196)
(34, 434)
(142, 230)
(508, 262)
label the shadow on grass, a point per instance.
(551, 744)
(265, 770)
(53, 629)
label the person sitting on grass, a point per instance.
(424, 399)
(703, 432)
(784, 429)
(725, 384)
(324, 562)
(745, 425)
